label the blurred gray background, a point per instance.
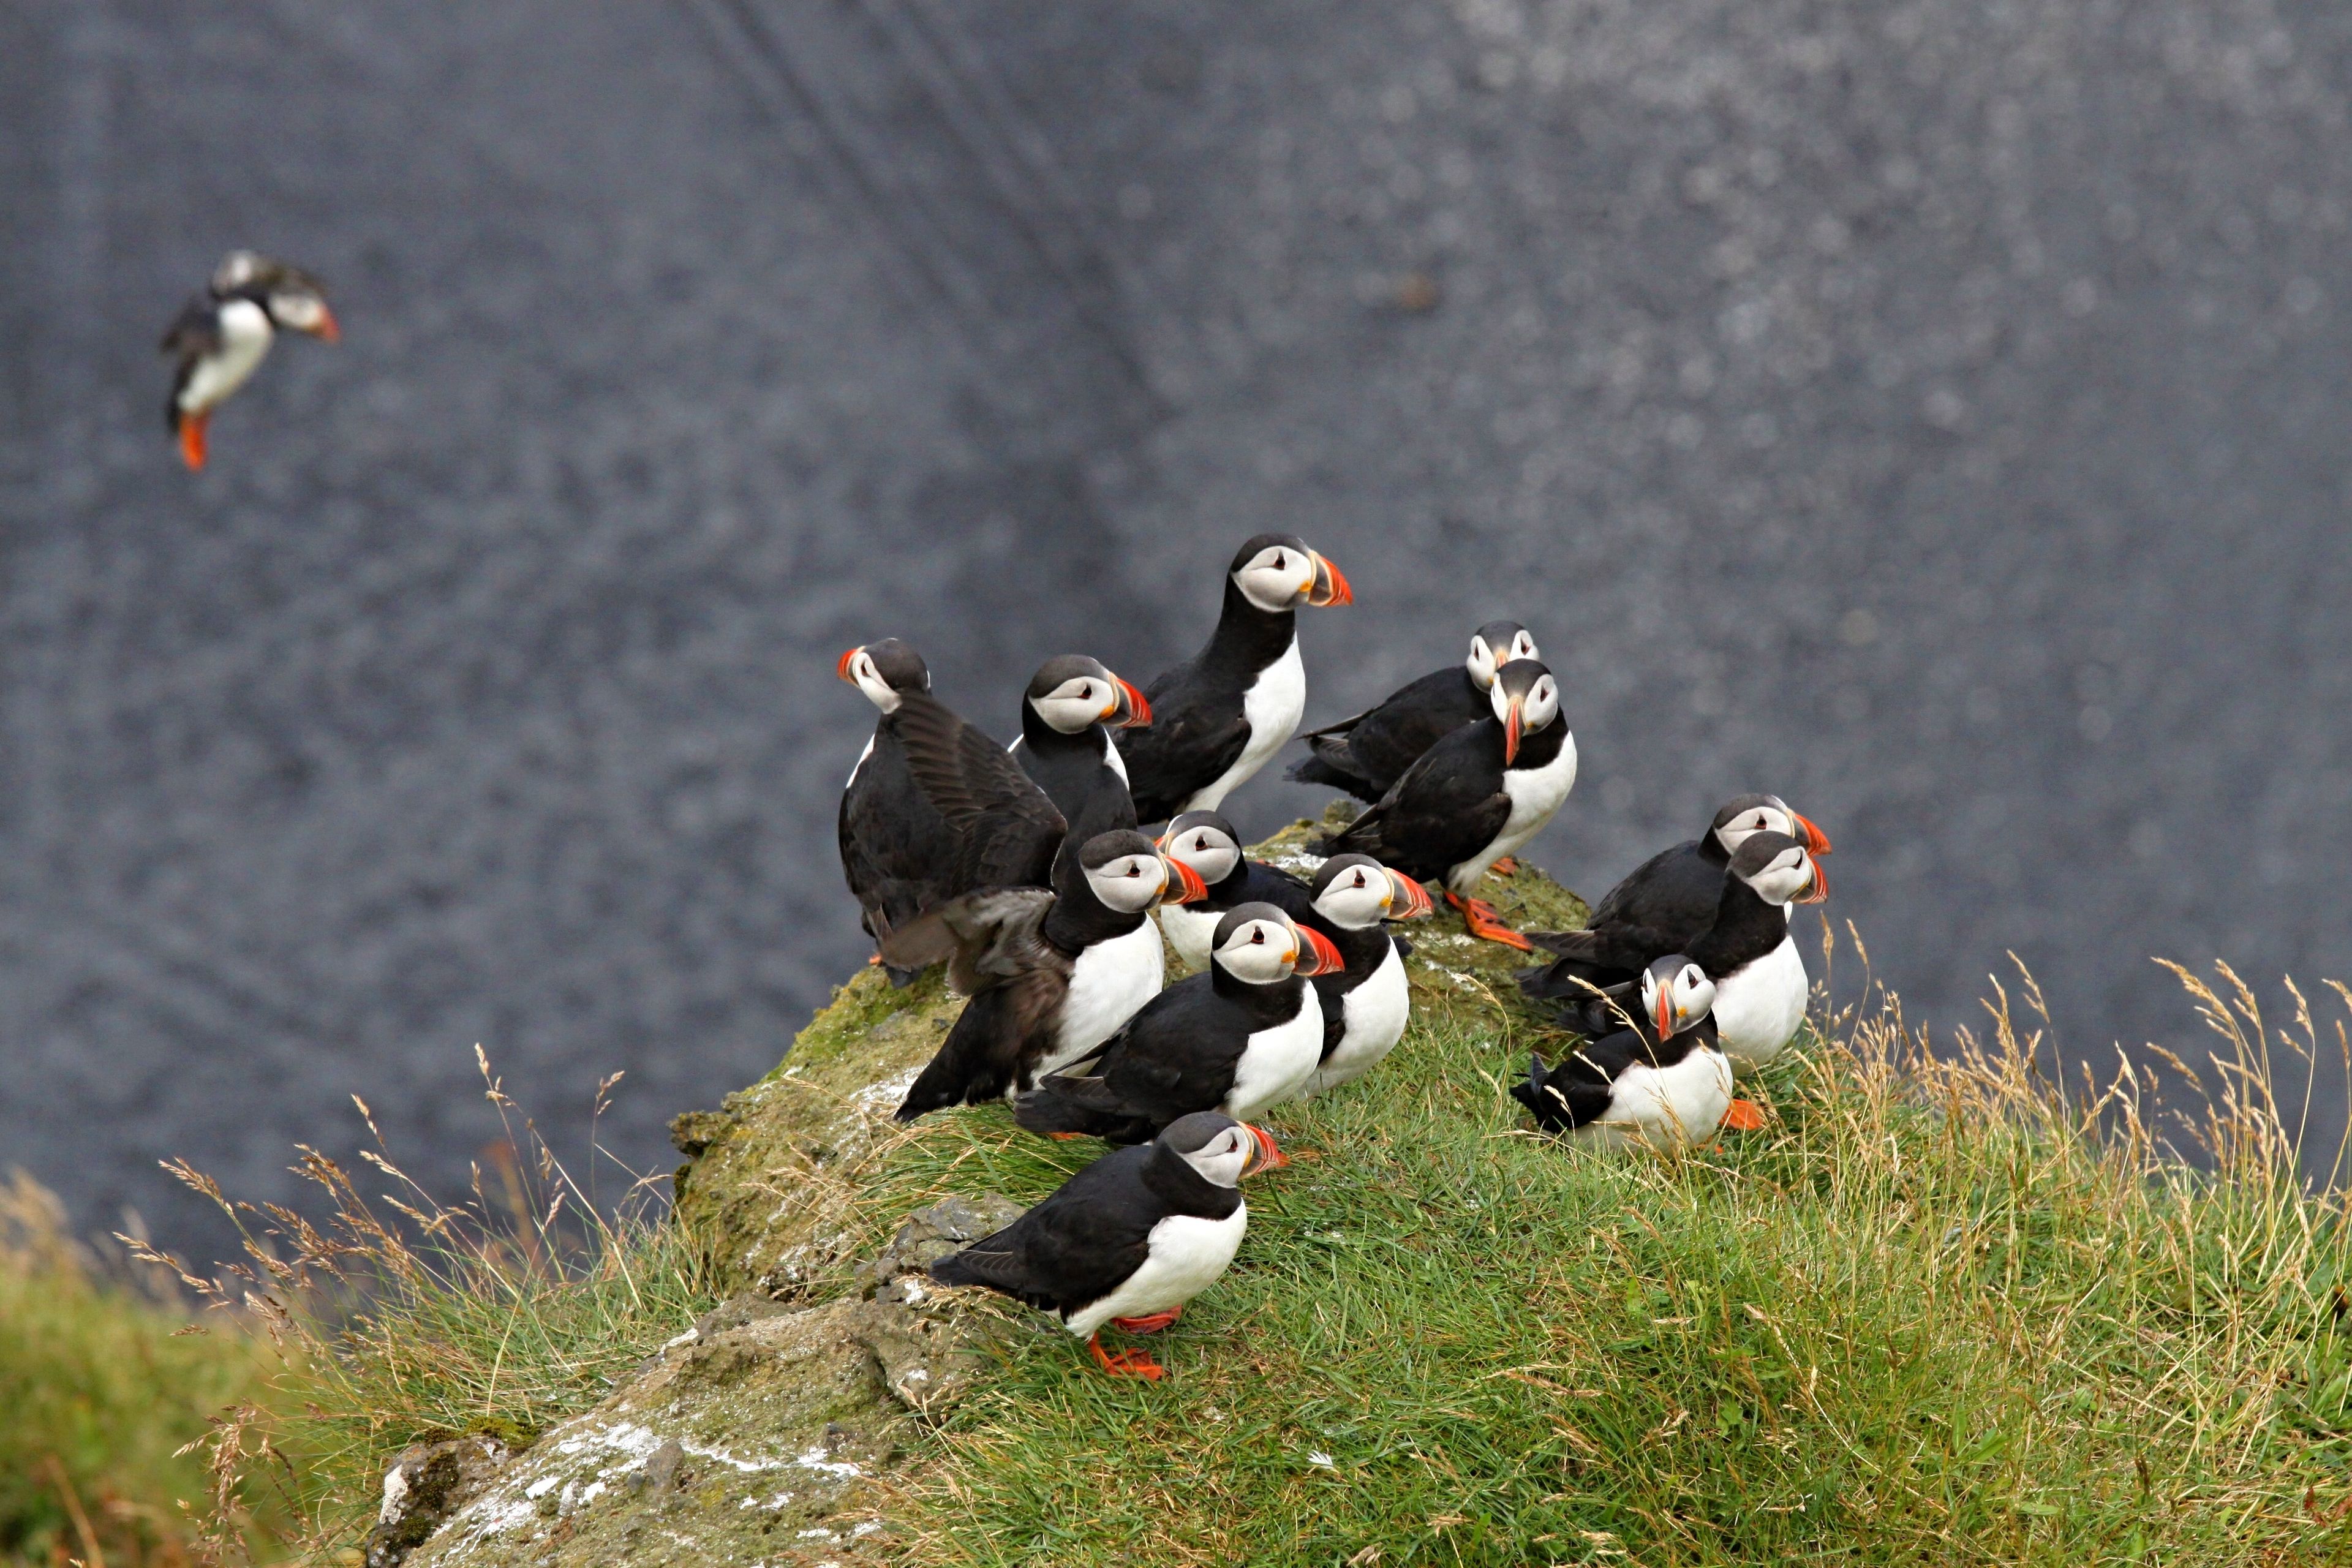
(1931, 412)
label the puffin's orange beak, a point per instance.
(841, 666)
(1665, 1017)
(1411, 899)
(1816, 841)
(1511, 734)
(1138, 709)
(1329, 586)
(326, 331)
(1319, 955)
(1820, 890)
(1185, 884)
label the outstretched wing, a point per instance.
(1009, 829)
(991, 937)
(194, 332)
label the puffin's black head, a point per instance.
(1495, 644)
(1676, 994)
(1356, 891)
(1780, 869)
(1073, 691)
(1220, 1148)
(1129, 874)
(1204, 841)
(886, 671)
(1745, 814)
(1277, 571)
(1525, 699)
(1257, 943)
(293, 299)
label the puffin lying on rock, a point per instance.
(1366, 754)
(221, 337)
(1126, 1242)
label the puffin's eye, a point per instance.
(1086, 691)
(1257, 936)
(1280, 562)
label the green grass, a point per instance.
(1937, 1313)
(101, 1381)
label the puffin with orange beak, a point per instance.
(1051, 973)
(1478, 794)
(899, 853)
(1218, 716)
(1245, 1036)
(220, 338)
(1658, 1076)
(1065, 744)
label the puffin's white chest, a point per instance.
(1111, 758)
(1759, 1008)
(1677, 1104)
(1272, 706)
(1186, 1255)
(860, 764)
(245, 338)
(1110, 980)
(1277, 1062)
(1376, 1013)
(1189, 933)
(1537, 795)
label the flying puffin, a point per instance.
(1051, 974)
(1476, 796)
(1207, 843)
(1748, 951)
(897, 853)
(220, 337)
(1126, 1242)
(1064, 748)
(1365, 754)
(1217, 716)
(1658, 1077)
(1365, 1002)
(1245, 1036)
(1673, 893)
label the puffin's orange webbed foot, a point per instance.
(1481, 920)
(1150, 1323)
(1126, 1363)
(1064, 1137)
(1508, 865)
(191, 440)
(1745, 1116)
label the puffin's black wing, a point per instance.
(194, 332)
(1074, 1248)
(1674, 893)
(897, 855)
(1446, 808)
(1174, 1056)
(1577, 1088)
(1192, 739)
(1389, 739)
(1010, 830)
(992, 936)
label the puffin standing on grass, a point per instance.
(221, 337)
(1474, 797)
(1367, 1001)
(1244, 1037)
(1051, 974)
(1065, 749)
(1217, 716)
(1206, 842)
(1365, 754)
(897, 853)
(1660, 1077)
(1748, 950)
(1126, 1242)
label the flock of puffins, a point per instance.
(1026, 871)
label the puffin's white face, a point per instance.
(301, 311)
(858, 664)
(1224, 1158)
(1790, 876)
(1260, 951)
(1207, 851)
(1755, 819)
(1540, 707)
(1278, 577)
(1358, 897)
(1077, 702)
(1484, 661)
(1131, 883)
(1675, 1002)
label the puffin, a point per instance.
(1051, 974)
(1064, 748)
(1660, 1077)
(220, 336)
(1365, 1002)
(1126, 1242)
(1747, 950)
(897, 853)
(1673, 893)
(1221, 714)
(1245, 1035)
(1206, 841)
(1365, 754)
(1474, 797)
